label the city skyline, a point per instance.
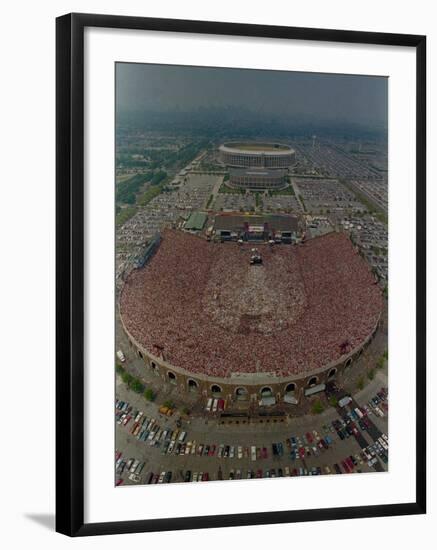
(351, 99)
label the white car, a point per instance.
(134, 477)
(134, 466)
(161, 477)
(240, 452)
(215, 405)
(253, 452)
(182, 437)
(231, 451)
(121, 356)
(209, 405)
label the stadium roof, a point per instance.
(256, 148)
(196, 221)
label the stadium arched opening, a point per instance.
(332, 374)
(193, 386)
(242, 394)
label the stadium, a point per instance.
(206, 318)
(256, 165)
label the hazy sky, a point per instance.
(356, 99)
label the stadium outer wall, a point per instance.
(254, 385)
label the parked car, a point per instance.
(253, 453)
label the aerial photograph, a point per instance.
(251, 274)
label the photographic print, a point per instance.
(251, 274)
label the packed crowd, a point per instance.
(202, 307)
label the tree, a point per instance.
(186, 410)
(371, 374)
(137, 386)
(127, 378)
(119, 369)
(317, 407)
(149, 395)
(169, 404)
(333, 401)
(360, 383)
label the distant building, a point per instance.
(257, 178)
(256, 165)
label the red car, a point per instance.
(345, 467)
(302, 452)
(205, 477)
(212, 450)
(350, 463)
(259, 473)
(221, 404)
(264, 453)
(309, 437)
(119, 481)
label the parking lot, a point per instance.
(197, 449)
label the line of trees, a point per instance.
(134, 383)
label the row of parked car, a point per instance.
(215, 405)
(312, 443)
(378, 404)
(378, 448)
(144, 428)
(132, 467)
(163, 477)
